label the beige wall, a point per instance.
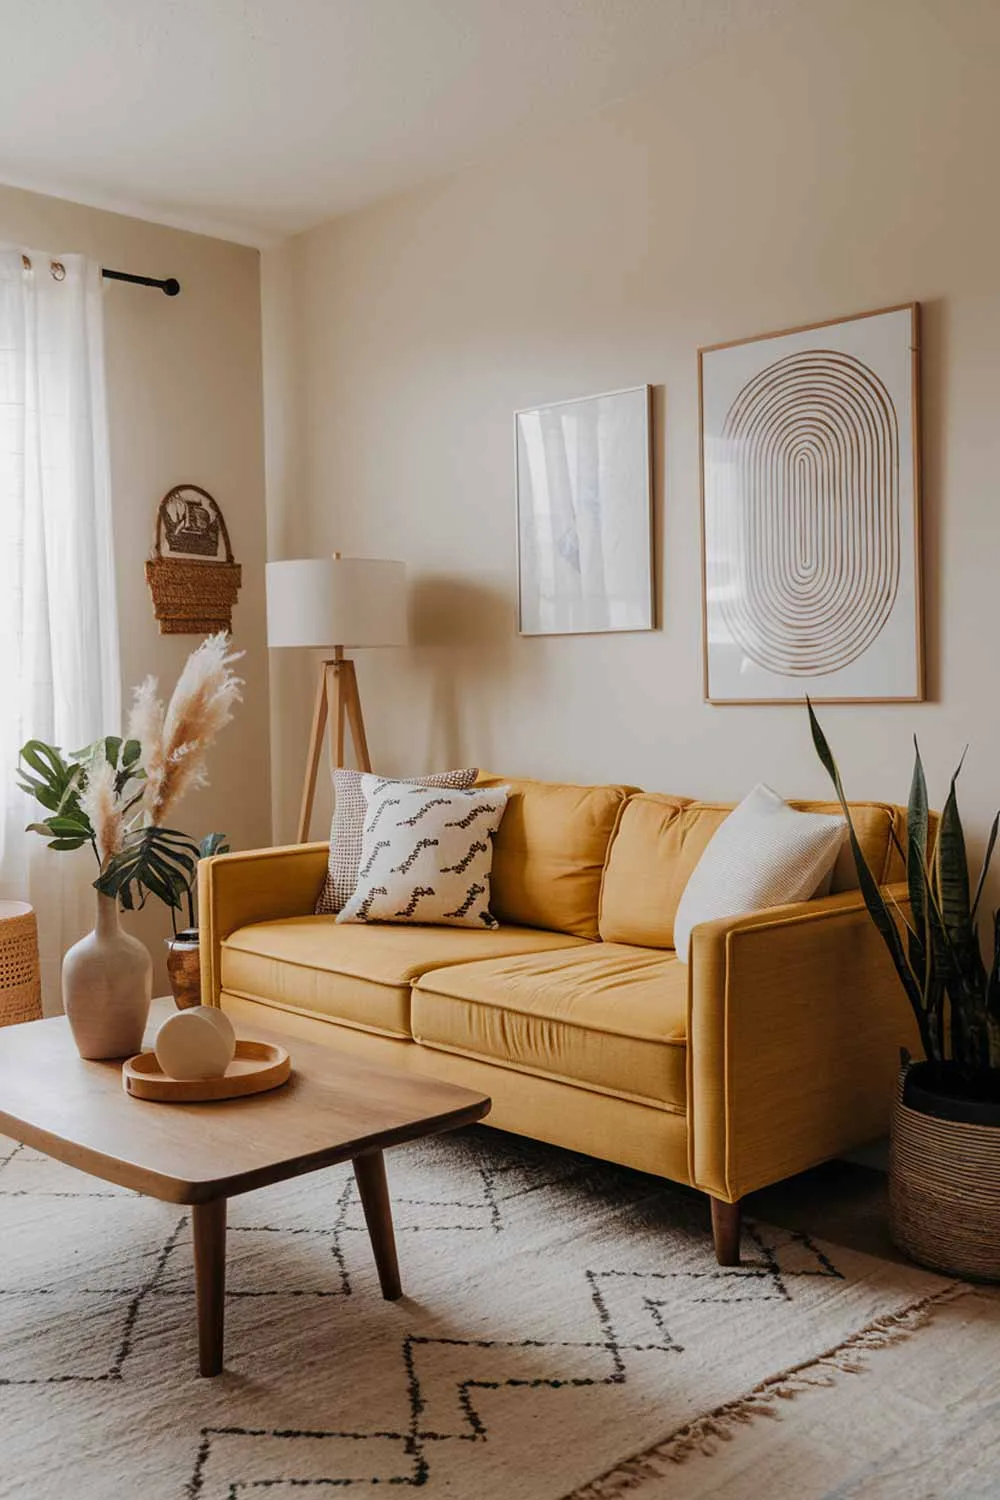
(184, 389)
(844, 163)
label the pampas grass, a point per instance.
(102, 805)
(175, 740)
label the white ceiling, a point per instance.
(258, 118)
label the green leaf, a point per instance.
(873, 898)
(70, 825)
(131, 751)
(952, 869)
(44, 759)
(161, 888)
(49, 799)
(213, 843)
(985, 869)
(917, 821)
(68, 843)
(112, 747)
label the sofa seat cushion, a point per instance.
(358, 975)
(605, 1016)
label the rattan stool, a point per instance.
(20, 981)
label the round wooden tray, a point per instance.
(257, 1067)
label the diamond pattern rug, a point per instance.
(562, 1318)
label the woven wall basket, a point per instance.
(944, 1192)
(193, 589)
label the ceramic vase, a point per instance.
(107, 982)
(184, 968)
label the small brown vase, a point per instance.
(184, 968)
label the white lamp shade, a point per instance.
(336, 601)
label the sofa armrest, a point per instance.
(258, 885)
(795, 1020)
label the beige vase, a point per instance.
(107, 982)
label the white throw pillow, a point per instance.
(764, 854)
(347, 829)
(426, 855)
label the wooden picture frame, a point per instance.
(810, 460)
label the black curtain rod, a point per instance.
(170, 285)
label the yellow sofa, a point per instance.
(773, 1049)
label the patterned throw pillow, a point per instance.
(348, 827)
(426, 856)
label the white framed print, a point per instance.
(585, 515)
(810, 460)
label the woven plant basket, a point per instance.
(193, 595)
(944, 1192)
(20, 982)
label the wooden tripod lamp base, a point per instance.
(314, 601)
(338, 703)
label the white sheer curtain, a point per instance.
(59, 666)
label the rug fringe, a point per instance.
(705, 1433)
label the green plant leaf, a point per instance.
(68, 843)
(131, 751)
(951, 871)
(917, 821)
(43, 794)
(985, 868)
(156, 861)
(45, 760)
(873, 898)
(70, 825)
(213, 843)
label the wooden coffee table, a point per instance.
(334, 1107)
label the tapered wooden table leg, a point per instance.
(209, 1225)
(369, 1171)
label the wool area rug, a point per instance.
(565, 1332)
(923, 1424)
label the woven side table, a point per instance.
(20, 980)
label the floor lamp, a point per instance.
(333, 603)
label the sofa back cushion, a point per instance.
(550, 851)
(660, 839)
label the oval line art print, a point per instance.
(805, 509)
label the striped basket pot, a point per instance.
(944, 1191)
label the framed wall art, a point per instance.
(811, 513)
(584, 515)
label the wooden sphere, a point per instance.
(221, 1022)
(193, 1045)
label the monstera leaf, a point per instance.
(153, 862)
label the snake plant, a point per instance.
(933, 938)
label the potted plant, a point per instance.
(116, 796)
(944, 1165)
(184, 949)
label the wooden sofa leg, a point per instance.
(726, 1231)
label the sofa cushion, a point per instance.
(348, 826)
(358, 975)
(606, 1016)
(549, 853)
(660, 839)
